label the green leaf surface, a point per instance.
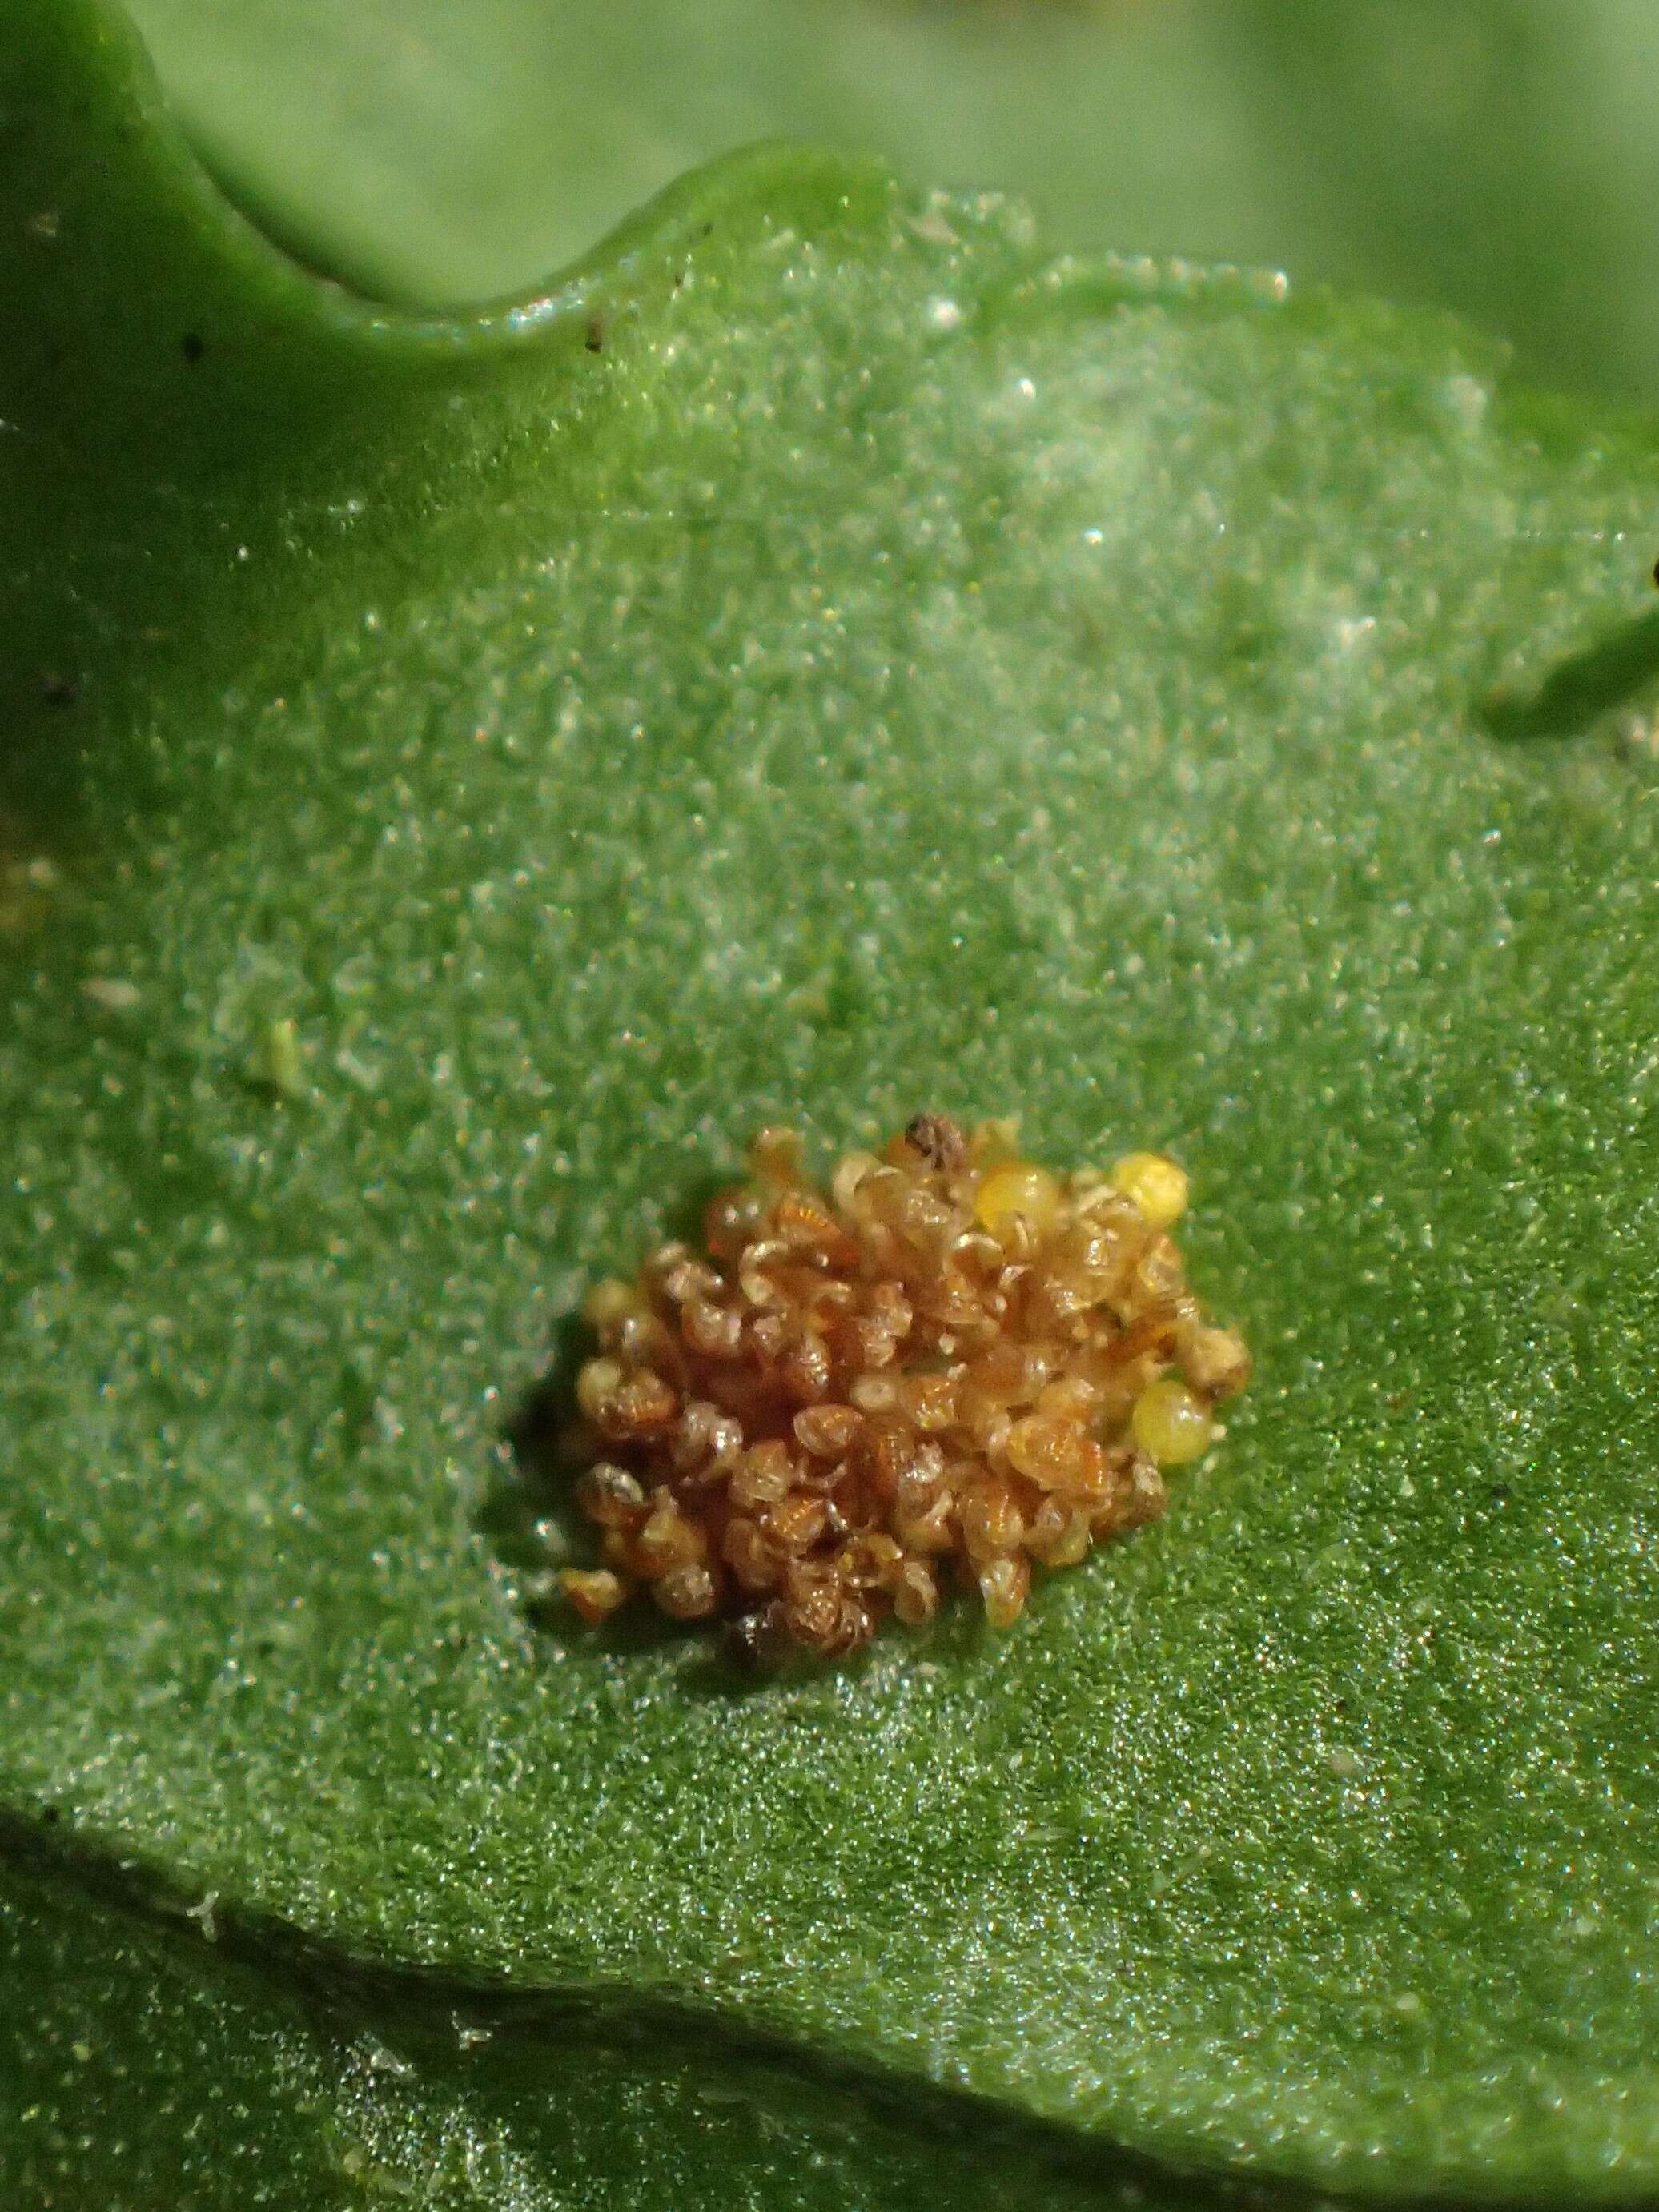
(160, 2061)
(823, 659)
(128, 2079)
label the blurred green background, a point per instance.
(1498, 157)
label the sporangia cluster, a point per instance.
(951, 1366)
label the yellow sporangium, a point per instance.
(1157, 1185)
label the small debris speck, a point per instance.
(277, 1061)
(932, 228)
(112, 993)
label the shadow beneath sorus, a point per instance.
(533, 2067)
(535, 1428)
(1614, 671)
(530, 1519)
(529, 1515)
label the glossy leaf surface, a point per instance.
(829, 660)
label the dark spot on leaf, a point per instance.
(756, 1642)
(58, 690)
(938, 1140)
(594, 340)
(192, 347)
(1500, 1493)
(1612, 671)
